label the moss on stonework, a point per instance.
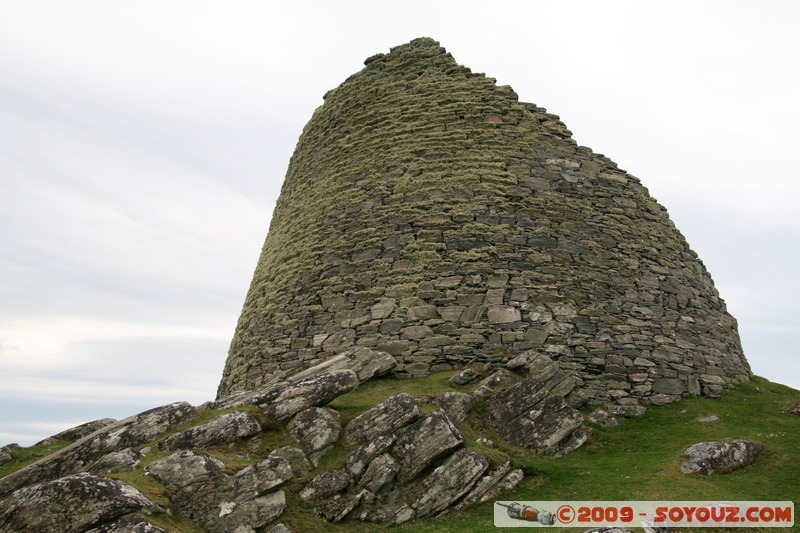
(417, 178)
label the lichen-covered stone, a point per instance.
(121, 461)
(70, 504)
(200, 489)
(454, 478)
(388, 416)
(719, 456)
(457, 405)
(316, 429)
(430, 214)
(76, 457)
(325, 485)
(283, 399)
(222, 429)
(132, 523)
(417, 446)
(78, 432)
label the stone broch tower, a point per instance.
(428, 213)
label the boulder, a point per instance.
(718, 457)
(387, 417)
(457, 405)
(200, 490)
(132, 523)
(78, 432)
(121, 461)
(381, 471)
(220, 430)
(280, 528)
(365, 362)
(250, 482)
(283, 400)
(357, 462)
(490, 485)
(497, 379)
(417, 446)
(527, 414)
(325, 485)
(128, 433)
(72, 503)
(603, 418)
(467, 375)
(297, 460)
(316, 429)
(336, 509)
(448, 482)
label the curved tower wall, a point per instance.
(428, 213)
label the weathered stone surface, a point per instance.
(76, 457)
(316, 429)
(457, 405)
(706, 419)
(186, 471)
(386, 417)
(528, 415)
(78, 432)
(298, 462)
(467, 375)
(627, 411)
(132, 523)
(388, 515)
(448, 482)
(200, 489)
(719, 456)
(365, 362)
(357, 461)
(280, 528)
(325, 485)
(259, 478)
(222, 429)
(336, 509)
(491, 485)
(282, 400)
(73, 503)
(420, 444)
(497, 379)
(380, 472)
(601, 417)
(121, 461)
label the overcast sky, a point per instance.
(143, 145)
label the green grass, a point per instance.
(637, 460)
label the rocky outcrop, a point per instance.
(73, 503)
(200, 489)
(316, 429)
(533, 413)
(366, 363)
(388, 416)
(719, 456)
(76, 457)
(222, 429)
(132, 523)
(282, 400)
(78, 432)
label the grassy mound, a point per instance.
(637, 460)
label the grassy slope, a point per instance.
(638, 460)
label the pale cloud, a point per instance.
(143, 146)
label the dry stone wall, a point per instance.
(428, 213)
